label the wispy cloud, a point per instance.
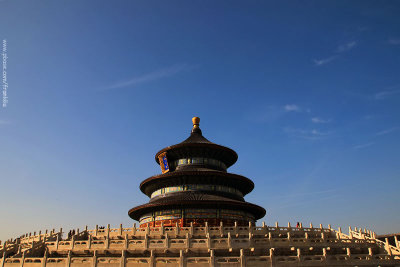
(394, 41)
(384, 94)
(363, 145)
(324, 192)
(340, 49)
(272, 113)
(323, 61)
(312, 134)
(387, 131)
(149, 77)
(319, 120)
(346, 47)
(4, 122)
(308, 202)
(370, 117)
(297, 199)
(292, 107)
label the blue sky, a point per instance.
(307, 93)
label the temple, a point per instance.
(195, 187)
(197, 217)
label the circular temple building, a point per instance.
(195, 187)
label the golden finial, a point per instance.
(196, 121)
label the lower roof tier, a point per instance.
(198, 176)
(256, 212)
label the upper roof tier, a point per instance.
(196, 145)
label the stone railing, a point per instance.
(269, 258)
(258, 246)
(212, 230)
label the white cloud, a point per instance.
(370, 117)
(346, 47)
(320, 62)
(387, 131)
(292, 107)
(4, 122)
(385, 94)
(340, 49)
(363, 145)
(394, 41)
(312, 134)
(152, 76)
(319, 120)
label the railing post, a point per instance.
(44, 260)
(271, 256)
(23, 259)
(161, 228)
(69, 259)
(120, 229)
(3, 258)
(298, 254)
(235, 228)
(57, 240)
(387, 246)
(181, 259)
(221, 228)
(107, 242)
(212, 258)
(122, 264)
(146, 241)
(72, 242)
(152, 260)
(250, 239)
(187, 241)
(94, 257)
(134, 229)
(242, 258)
(126, 241)
(396, 241)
